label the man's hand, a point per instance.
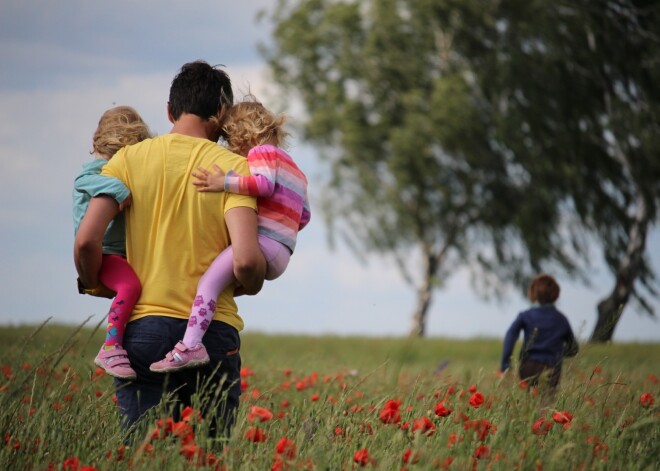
(208, 181)
(126, 203)
(101, 291)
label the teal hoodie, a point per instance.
(91, 183)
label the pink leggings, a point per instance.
(118, 275)
(218, 276)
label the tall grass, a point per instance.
(337, 403)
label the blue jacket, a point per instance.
(89, 184)
(548, 336)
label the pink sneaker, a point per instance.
(181, 357)
(115, 362)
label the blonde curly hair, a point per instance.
(248, 124)
(118, 127)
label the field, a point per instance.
(328, 403)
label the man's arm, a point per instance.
(249, 262)
(87, 249)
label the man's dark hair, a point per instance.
(200, 89)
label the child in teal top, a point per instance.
(117, 128)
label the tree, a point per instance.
(484, 135)
(580, 83)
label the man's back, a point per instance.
(173, 231)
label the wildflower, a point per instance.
(286, 447)
(390, 413)
(523, 384)
(473, 388)
(72, 463)
(362, 457)
(423, 425)
(541, 426)
(476, 400)
(244, 385)
(562, 417)
(278, 464)
(6, 370)
(188, 450)
(245, 372)
(260, 413)
(482, 451)
(453, 438)
(255, 434)
(646, 400)
(482, 427)
(410, 456)
(441, 410)
(315, 397)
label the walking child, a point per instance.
(118, 127)
(548, 336)
(283, 210)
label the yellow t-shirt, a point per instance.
(174, 232)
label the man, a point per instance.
(173, 233)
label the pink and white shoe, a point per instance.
(181, 357)
(115, 362)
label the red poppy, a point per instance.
(187, 414)
(245, 372)
(286, 447)
(562, 417)
(482, 451)
(260, 413)
(482, 428)
(441, 410)
(541, 426)
(315, 397)
(410, 456)
(188, 450)
(390, 413)
(646, 400)
(72, 463)
(255, 434)
(476, 400)
(423, 425)
(362, 457)
(473, 388)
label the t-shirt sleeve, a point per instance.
(95, 184)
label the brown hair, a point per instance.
(543, 289)
(248, 124)
(118, 127)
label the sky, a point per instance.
(65, 63)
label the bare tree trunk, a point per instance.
(611, 308)
(424, 294)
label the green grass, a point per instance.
(326, 394)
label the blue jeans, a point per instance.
(149, 339)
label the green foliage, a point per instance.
(503, 136)
(326, 395)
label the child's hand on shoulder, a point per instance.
(209, 181)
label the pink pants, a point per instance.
(118, 275)
(218, 276)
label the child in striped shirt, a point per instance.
(281, 190)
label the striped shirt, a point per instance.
(281, 191)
